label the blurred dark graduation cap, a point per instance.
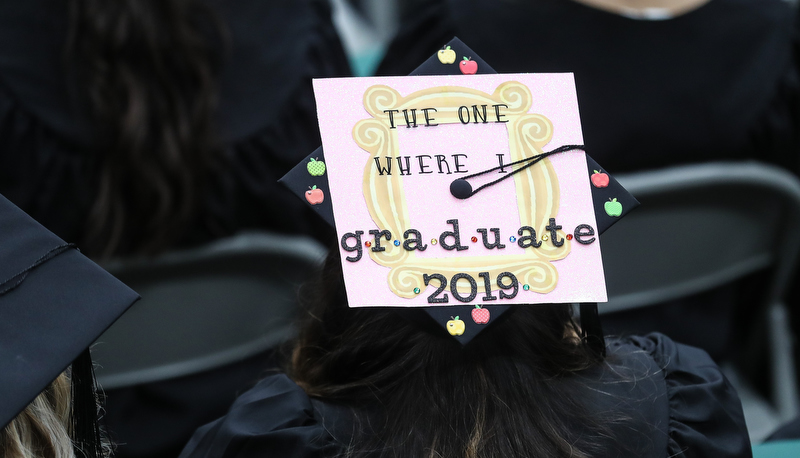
(54, 302)
(297, 180)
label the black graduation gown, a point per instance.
(718, 83)
(267, 123)
(677, 399)
(266, 117)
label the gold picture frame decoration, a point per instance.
(537, 189)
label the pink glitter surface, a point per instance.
(430, 204)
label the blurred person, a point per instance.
(660, 82)
(54, 302)
(133, 127)
(137, 126)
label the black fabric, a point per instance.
(719, 82)
(51, 316)
(788, 431)
(267, 117)
(155, 420)
(276, 417)
(86, 435)
(592, 329)
(600, 196)
(676, 400)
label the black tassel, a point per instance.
(85, 426)
(592, 330)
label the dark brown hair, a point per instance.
(147, 69)
(512, 391)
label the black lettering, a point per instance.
(356, 247)
(527, 240)
(391, 117)
(497, 114)
(487, 287)
(423, 167)
(407, 169)
(441, 159)
(416, 241)
(381, 169)
(472, 284)
(428, 119)
(552, 227)
(413, 121)
(514, 285)
(461, 116)
(584, 230)
(502, 166)
(432, 299)
(496, 243)
(477, 114)
(458, 164)
(378, 234)
(456, 236)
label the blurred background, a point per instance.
(152, 133)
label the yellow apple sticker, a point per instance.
(446, 55)
(455, 327)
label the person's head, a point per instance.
(147, 71)
(42, 429)
(54, 302)
(508, 392)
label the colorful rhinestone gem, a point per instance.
(569, 236)
(434, 241)
(367, 244)
(416, 290)
(526, 287)
(512, 239)
(396, 243)
(474, 239)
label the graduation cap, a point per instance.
(54, 302)
(461, 192)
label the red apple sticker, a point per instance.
(468, 67)
(314, 196)
(480, 315)
(599, 179)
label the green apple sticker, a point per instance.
(315, 168)
(613, 208)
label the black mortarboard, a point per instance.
(54, 302)
(392, 116)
